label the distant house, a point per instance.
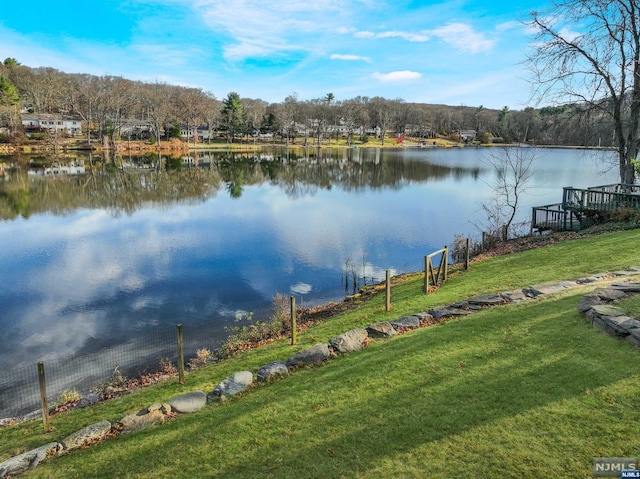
(203, 131)
(52, 123)
(136, 129)
(468, 135)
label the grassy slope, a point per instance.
(517, 391)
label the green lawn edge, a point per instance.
(516, 391)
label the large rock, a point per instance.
(487, 300)
(609, 294)
(188, 402)
(382, 329)
(86, 435)
(608, 310)
(634, 337)
(142, 420)
(29, 459)
(313, 355)
(406, 322)
(587, 302)
(631, 324)
(613, 325)
(549, 288)
(449, 311)
(352, 340)
(233, 385)
(592, 279)
(625, 272)
(88, 400)
(272, 370)
(422, 316)
(627, 287)
(514, 296)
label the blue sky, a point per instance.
(454, 52)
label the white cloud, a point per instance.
(262, 27)
(463, 37)
(410, 37)
(459, 35)
(338, 56)
(512, 25)
(397, 76)
(364, 34)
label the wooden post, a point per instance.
(388, 292)
(425, 287)
(43, 398)
(294, 328)
(445, 261)
(180, 354)
(533, 220)
(466, 254)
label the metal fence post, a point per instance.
(294, 328)
(43, 398)
(180, 354)
(445, 260)
(388, 292)
(427, 270)
(466, 254)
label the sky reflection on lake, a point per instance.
(89, 278)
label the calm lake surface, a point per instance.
(92, 261)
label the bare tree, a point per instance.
(513, 168)
(383, 114)
(288, 114)
(155, 98)
(353, 114)
(44, 89)
(211, 113)
(588, 52)
(190, 106)
(254, 112)
(120, 98)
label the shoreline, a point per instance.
(180, 146)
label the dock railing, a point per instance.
(601, 199)
(553, 217)
(580, 204)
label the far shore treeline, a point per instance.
(109, 105)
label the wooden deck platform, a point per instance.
(584, 206)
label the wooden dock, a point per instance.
(582, 207)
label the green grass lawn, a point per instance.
(526, 391)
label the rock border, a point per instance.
(596, 306)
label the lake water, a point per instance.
(93, 261)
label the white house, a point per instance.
(36, 122)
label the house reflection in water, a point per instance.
(74, 167)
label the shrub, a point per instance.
(255, 332)
(203, 356)
(167, 367)
(624, 215)
(117, 378)
(69, 396)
